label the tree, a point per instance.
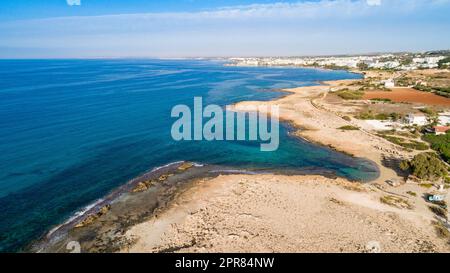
(362, 66)
(425, 166)
(440, 143)
(444, 63)
(406, 61)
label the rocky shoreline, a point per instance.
(304, 213)
(279, 213)
(102, 227)
(99, 228)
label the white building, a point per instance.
(389, 83)
(428, 62)
(416, 119)
(444, 118)
(387, 61)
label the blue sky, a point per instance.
(206, 28)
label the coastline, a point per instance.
(123, 207)
(320, 126)
(278, 213)
(132, 236)
(230, 213)
(102, 225)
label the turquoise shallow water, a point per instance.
(73, 130)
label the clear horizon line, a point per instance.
(223, 57)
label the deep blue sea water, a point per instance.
(73, 130)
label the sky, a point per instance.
(219, 28)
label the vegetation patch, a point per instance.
(379, 116)
(428, 111)
(353, 187)
(411, 193)
(442, 91)
(441, 204)
(440, 144)
(404, 81)
(408, 144)
(444, 63)
(381, 100)
(334, 200)
(441, 230)
(348, 127)
(423, 88)
(441, 212)
(348, 94)
(396, 201)
(425, 166)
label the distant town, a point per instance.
(386, 61)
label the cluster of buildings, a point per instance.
(386, 61)
(427, 62)
(418, 119)
(422, 120)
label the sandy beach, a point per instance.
(266, 213)
(318, 121)
(277, 213)
(185, 207)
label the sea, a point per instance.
(72, 131)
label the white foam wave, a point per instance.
(76, 215)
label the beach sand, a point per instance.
(277, 213)
(318, 121)
(267, 213)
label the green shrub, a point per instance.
(439, 211)
(441, 230)
(425, 166)
(428, 111)
(379, 116)
(347, 94)
(443, 94)
(443, 89)
(423, 88)
(395, 201)
(440, 143)
(362, 66)
(381, 100)
(411, 144)
(411, 193)
(395, 116)
(404, 81)
(348, 127)
(365, 115)
(444, 63)
(404, 165)
(426, 185)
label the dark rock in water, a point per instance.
(185, 166)
(141, 186)
(91, 218)
(163, 177)
(104, 209)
